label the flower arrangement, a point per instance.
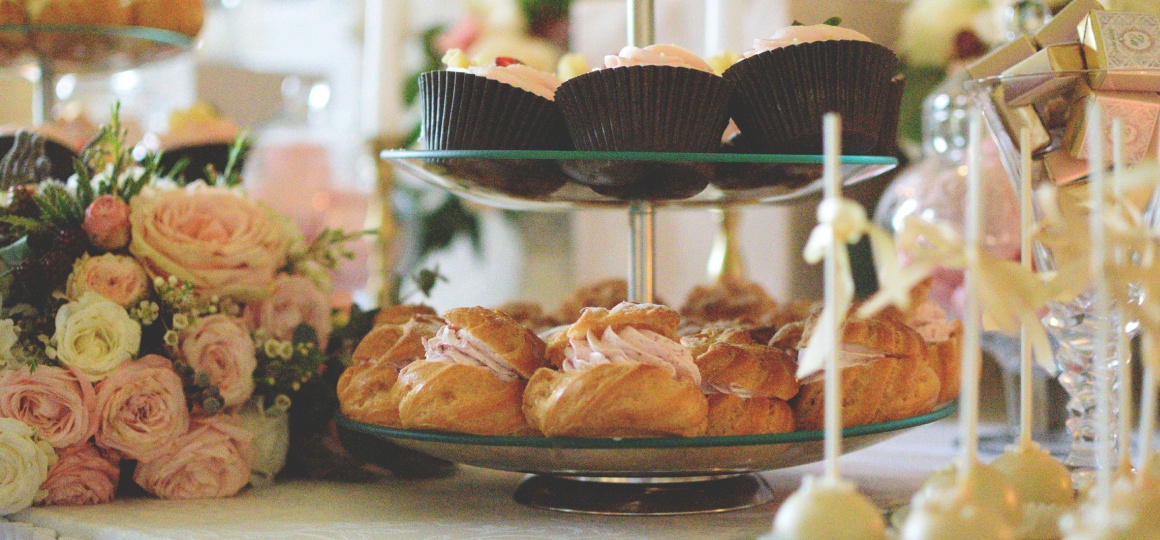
(151, 327)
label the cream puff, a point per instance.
(472, 377)
(623, 374)
(365, 388)
(885, 373)
(747, 384)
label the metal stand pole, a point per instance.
(44, 100)
(641, 23)
(642, 251)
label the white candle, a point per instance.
(1027, 222)
(969, 393)
(381, 102)
(1095, 139)
(832, 132)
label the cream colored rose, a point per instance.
(94, 336)
(221, 346)
(24, 463)
(212, 237)
(116, 277)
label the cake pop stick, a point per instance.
(1123, 347)
(969, 393)
(832, 130)
(1027, 224)
(1100, 300)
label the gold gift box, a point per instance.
(1139, 112)
(1047, 73)
(1016, 118)
(1062, 168)
(1120, 47)
(1063, 28)
(1002, 58)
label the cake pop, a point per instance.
(1131, 512)
(830, 508)
(955, 514)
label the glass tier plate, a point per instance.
(560, 180)
(88, 49)
(640, 457)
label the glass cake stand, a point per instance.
(630, 476)
(1073, 323)
(56, 49)
(647, 475)
(541, 180)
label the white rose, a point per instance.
(271, 429)
(24, 463)
(8, 339)
(95, 335)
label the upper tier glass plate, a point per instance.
(640, 457)
(88, 49)
(560, 180)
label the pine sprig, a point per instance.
(58, 207)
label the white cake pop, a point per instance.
(1042, 484)
(984, 485)
(827, 509)
(1132, 513)
(954, 514)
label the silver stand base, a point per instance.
(643, 496)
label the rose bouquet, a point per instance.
(151, 327)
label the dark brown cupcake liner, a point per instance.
(887, 144)
(645, 109)
(60, 157)
(462, 111)
(200, 156)
(780, 96)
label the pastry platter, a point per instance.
(641, 475)
(551, 180)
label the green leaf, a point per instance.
(796, 23)
(439, 228)
(833, 21)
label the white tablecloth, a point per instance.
(472, 503)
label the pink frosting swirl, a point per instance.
(58, 403)
(82, 475)
(632, 346)
(212, 460)
(538, 82)
(141, 408)
(657, 55)
(792, 35)
(455, 345)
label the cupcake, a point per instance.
(661, 98)
(202, 136)
(784, 86)
(502, 106)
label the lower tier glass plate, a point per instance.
(654, 457)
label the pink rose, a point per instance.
(212, 237)
(107, 223)
(119, 278)
(141, 408)
(58, 403)
(212, 460)
(293, 300)
(83, 474)
(221, 346)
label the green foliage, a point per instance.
(231, 177)
(921, 80)
(439, 228)
(58, 208)
(284, 366)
